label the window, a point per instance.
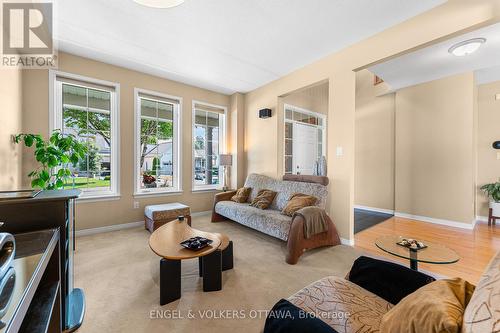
(87, 109)
(208, 143)
(305, 139)
(157, 143)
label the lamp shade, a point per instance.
(225, 159)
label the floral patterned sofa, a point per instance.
(271, 221)
(335, 295)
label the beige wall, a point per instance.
(488, 163)
(10, 108)
(104, 213)
(374, 150)
(262, 156)
(236, 140)
(313, 99)
(435, 149)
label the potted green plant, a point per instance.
(55, 157)
(493, 192)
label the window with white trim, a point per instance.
(88, 110)
(157, 143)
(208, 143)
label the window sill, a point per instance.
(157, 194)
(206, 189)
(98, 198)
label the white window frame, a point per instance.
(323, 127)
(176, 146)
(56, 122)
(222, 146)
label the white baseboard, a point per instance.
(448, 223)
(116, 227)
(344, 241)
(374, 209)
(481, 218)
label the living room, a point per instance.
(170, 120)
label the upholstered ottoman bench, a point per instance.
(157, 215)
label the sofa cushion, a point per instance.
(285, 189)
(435, 308)
(241, 195)
(287, 318)
(386, 279)
(298, 201)
(343, 305)
(483, 312)
(263, 199)
(268, 221)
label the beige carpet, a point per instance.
(120, 274)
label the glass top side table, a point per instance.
(432, 254)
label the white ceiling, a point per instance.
(223, 45)
(487, 75)
(434, 62)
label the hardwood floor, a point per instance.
(475, 247)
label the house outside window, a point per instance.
(88, 109)
(208, 143)
(157, 144)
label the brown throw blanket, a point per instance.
(315, 220)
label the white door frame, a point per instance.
(324, 127)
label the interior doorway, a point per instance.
(305, 146)
(304, 121)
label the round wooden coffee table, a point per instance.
(165, 242)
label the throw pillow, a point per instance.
(288, 318)
(483, 311)
(241, 195)
(263, 199)
(386, 279)
(435, 308)
(298, 201)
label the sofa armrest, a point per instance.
(223, 196)
(386, 279)
(297, 243)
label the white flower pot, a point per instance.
(495, 207)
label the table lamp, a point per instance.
(225, 160)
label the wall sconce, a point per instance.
(265, 113)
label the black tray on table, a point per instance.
(196, 243)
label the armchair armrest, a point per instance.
(388, 280)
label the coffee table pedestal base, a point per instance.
(170, 280)
(212, 271)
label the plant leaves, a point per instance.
(74, 159)
(44, 175)
(52, 161)
(59, 183)
(28, 140)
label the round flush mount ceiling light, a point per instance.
(159, 3)
(467, 47)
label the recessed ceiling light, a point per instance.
(160, 3)
(467, 47)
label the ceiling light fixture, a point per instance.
(467, 47)
(159, 3)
